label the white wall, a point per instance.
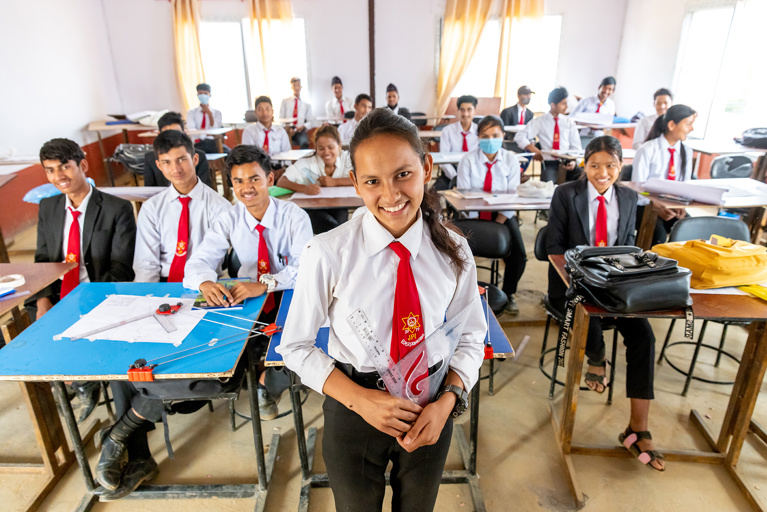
(58, 74)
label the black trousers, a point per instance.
(325, 220)
(301, 139)
(357, 454)
(662, 227)
(639, 340)
(210, 146)
(516, 261)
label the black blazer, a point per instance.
(569, 224)
(510, 116)
(109, 239)
(153, 177)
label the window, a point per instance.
(539, 74)
(718, 72)
(235, 71)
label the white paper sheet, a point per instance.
(119, 307)
(501, 199)
(730, 290)
(327, 193)
(733, 192)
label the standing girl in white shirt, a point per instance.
(665, 156)
(328, 167)
(397, 261)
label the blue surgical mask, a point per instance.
(204, 98)
(490, 146)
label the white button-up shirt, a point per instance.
(543, 128)
(346, 131)
(304, 111)
(307, 170)
(333, 106)
(255, 134)
(157, 232)
(68, 225)
(589, 105)
(287, 230)
(651, 161)
(451, 140)
(642, 129)
(352, 267)
(472, 170)
(613, 214)
(194, 121)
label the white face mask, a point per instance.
(204, 98)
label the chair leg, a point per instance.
(210, 405)
(665, 342)
(612, 367)
(721, 346)
(553, 379)
(546, 333)
(694, 358)
(231, 414)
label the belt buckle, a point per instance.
(380, 384)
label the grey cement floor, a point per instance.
(518, 461)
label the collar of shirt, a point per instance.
(483, 157)
(472, 128)
(264, 128)
(84, 205)
(593, 194)
(267, 220)
(195, 193)
(520, 107)
(377, 237)
(664, 145)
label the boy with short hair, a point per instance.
(205, 118)
(270, 137)
(459, 136)
(296, 108)
(339, 105)
(363, 104)
(662, 100)
(172, 224)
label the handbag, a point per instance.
(624, 279)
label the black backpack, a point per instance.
(132, 156)
(754, 138)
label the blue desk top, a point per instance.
(35, 355)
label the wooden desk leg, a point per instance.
(104, 160)
(647, 228)
(4, 258)
(219, 143)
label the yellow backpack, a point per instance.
(719, 262)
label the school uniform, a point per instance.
(642, 130)
(307, 171)
(505, 178)
(394, 109)
(153, 176)
(197, 120)
(451, 140)
(158, 237)
(516, 115)
(572, 222)
(287, 229)
(354, 267)
(544, 128)
(297, 108)
(592, 105)
(256, 135)
(346, 131)
(337, 108)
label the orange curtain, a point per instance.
(267, 17)
(186, 49)
(512, 12)
(462, 26)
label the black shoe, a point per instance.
(89, 394)
(136, 472)
(511, 306)
(113, 459)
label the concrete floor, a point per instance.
(518, 461)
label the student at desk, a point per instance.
(339, 104)
(328, 167)
(205, 118)
(601, 103)
(455, 137)
(665, 156)
(153, 176)
(494, 169)
(518, 115)
(662, 100)
(171, 224)
(396, 261)
(392, 98)
(83, 225)
(296, 108)
(555, 132)
(594, 212)
(363, 104)
(272, 138)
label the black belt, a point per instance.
(365, 379)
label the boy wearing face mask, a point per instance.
(494, 169)
(204, 118)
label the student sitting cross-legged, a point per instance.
(171, 225)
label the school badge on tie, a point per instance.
(556, 137)
(181, 248)
(672, 173)
(411, 329)
(263, 267)
(71, 258)
(601, 243)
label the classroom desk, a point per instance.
(432, 118)
(306, 439)
(710, 147)
(292, 155)
(478, 204)
(20, 160)
(447, 158)
(515, 128)
(133, 194)
(331, 120)
(726, 448)
(605, 126)
(102, 126)
(36, 357)
(430, 134)
(322, 203)
(49, 433)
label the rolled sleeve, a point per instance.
(524, 136)
(301, 228)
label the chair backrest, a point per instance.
(731, 166)
(349, 114)
(231, 263)
(696, 228)
(540, 244)
(486, 239)
(250, 116)
(626, 172)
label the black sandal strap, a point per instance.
(598, 364)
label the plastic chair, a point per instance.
(250, 116)
(731, 166)
(487, 240)
(694, 228)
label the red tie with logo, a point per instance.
(671, 175)
(295, 112)
(488, 187)
(599, 105)
(407, 324)
(465, 146)
(176, 273)
(72, 278)
(555, 139)
(263, 264)
(600, 235)
(266, 140)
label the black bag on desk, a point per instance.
(754, 138)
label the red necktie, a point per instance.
(488, 188)
(600, 236)
(671, 175)
(263, 264)
(176, 273)
(465, 146)
(407, 323)
(555, 140)
(295, 112)
(341, 104)
(72, 278)
(202, 125)
(522, 116)
(599, 105)
(266, 140)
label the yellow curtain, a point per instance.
(186, 49)
(511, 12)
(267, 17)
(462, 26)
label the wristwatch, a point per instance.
(462, 399)
(269, 281)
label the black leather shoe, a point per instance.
(89, 394)
(136, 472)
(113, 459)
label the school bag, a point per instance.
(754, 138)
(726, 263)
(132, 156)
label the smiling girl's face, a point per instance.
(602, 170)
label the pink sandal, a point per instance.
(629, 440)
